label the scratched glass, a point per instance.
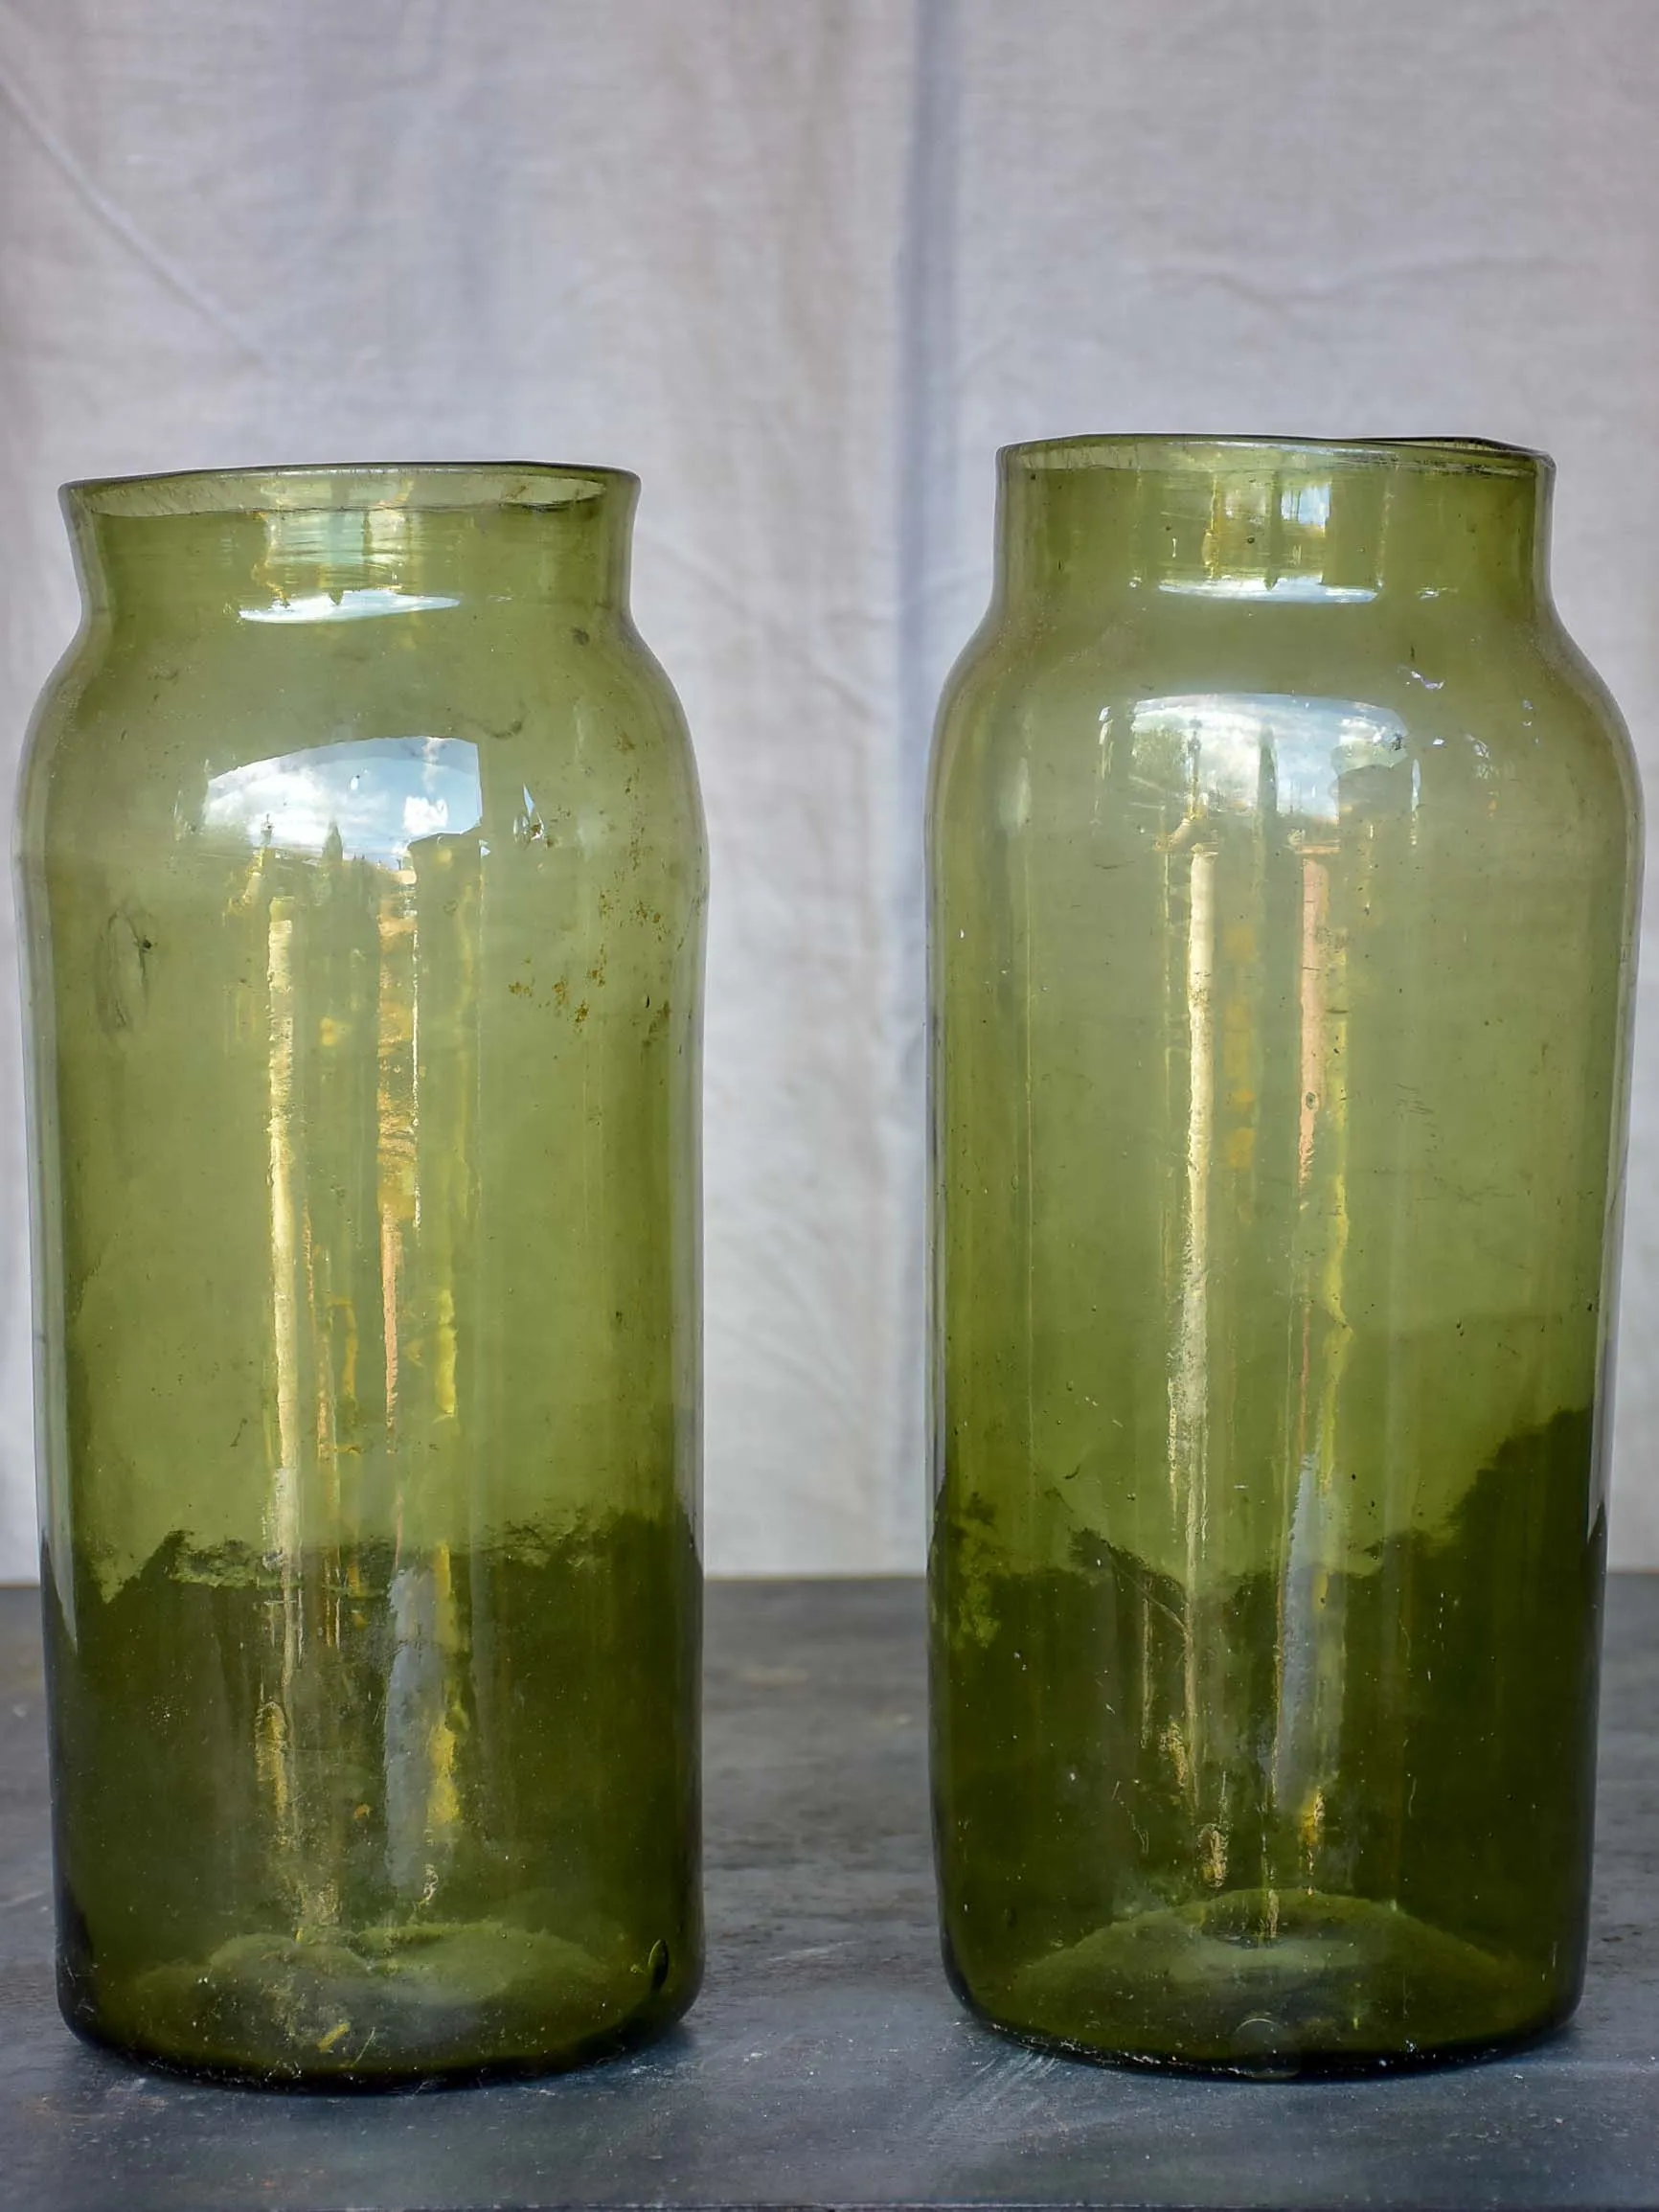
(1284, 866)
(363, 871)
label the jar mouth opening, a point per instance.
(1240, 455)
(416, 486)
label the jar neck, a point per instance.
(1087, 520)
(339, 544)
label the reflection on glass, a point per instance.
(1281, 537)
(1282, 590)
(369, 800)
(347, 606)
(1304, 747)
(365, 871)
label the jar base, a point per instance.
(1272, 1984)
(379, 2007)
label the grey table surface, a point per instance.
(827, 2062)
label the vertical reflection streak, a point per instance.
(432, 1054)
(415, 1055)
(274, 1752)
(1329, 1624)
(390, 1252)
(282, 1520)
(1190, 1383)
(394, 1137)
(1315, 903)
(1311, 1655)
(1028, 1104)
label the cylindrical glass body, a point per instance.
(363, 881)
(1283, 867)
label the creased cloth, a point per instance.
(804, 264)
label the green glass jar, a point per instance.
(363, 879)
(1283, 869)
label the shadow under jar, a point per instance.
(363, 874)
(1283, 861)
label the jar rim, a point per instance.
(1137, 450)
(347, 487)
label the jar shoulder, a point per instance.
(1509, 706)
(526, 716)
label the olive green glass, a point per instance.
(1284, 866)
(363, 879)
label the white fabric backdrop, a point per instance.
(803, 264)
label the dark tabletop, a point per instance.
(826, 2062)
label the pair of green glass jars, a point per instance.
(1283, 863)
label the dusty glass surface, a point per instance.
(1283, 863)
(363, 877)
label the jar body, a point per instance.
(363, 879)
(1281, 945)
